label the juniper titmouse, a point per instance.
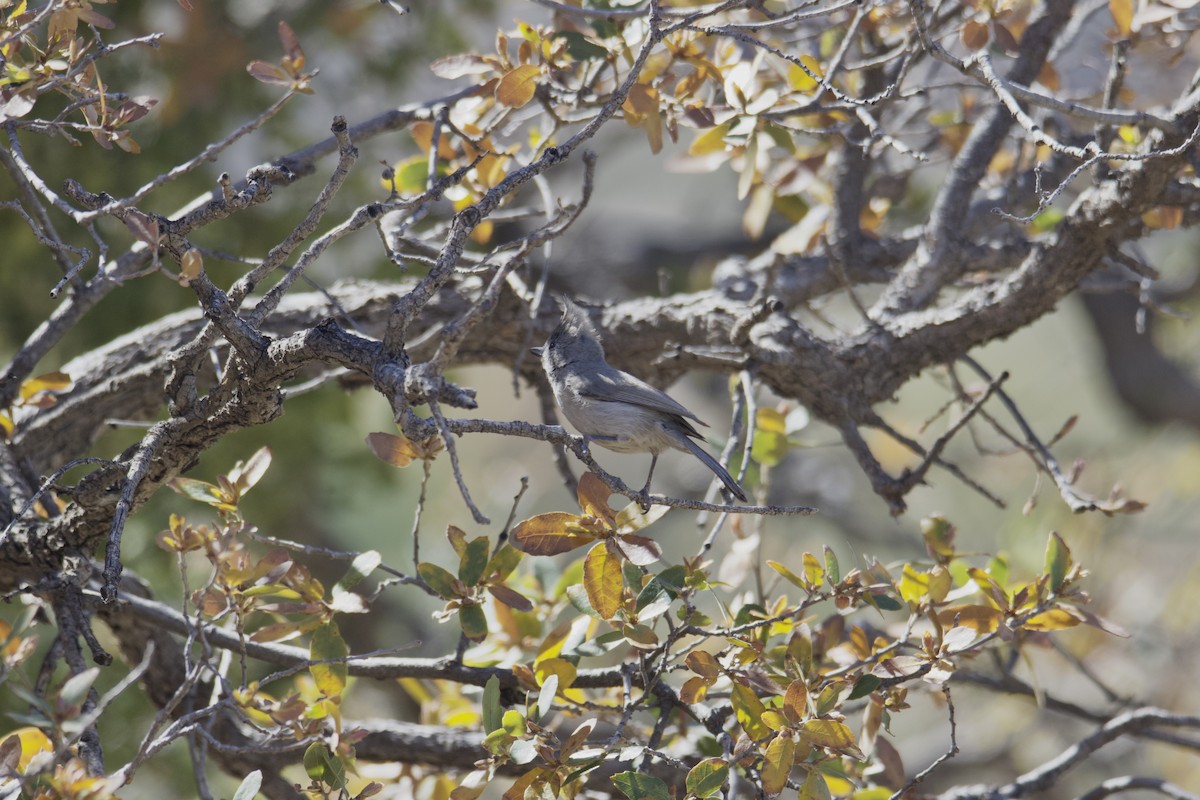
(613, 408)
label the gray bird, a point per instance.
(613, 408)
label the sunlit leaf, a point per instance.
(518, 85)
(395, 450)
(327, 643)
(707, 777)
(1058, 560)
(549, 534)
(46, 382)
(832, 735)
(777, 764)
(602, 580)
(1056, 619)
(749, 710)
(438, 579)
(593, 495)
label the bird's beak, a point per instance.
(537, 351)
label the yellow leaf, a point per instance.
(518, 86)
(749, 710)
(983, 619)
(806, 78)
(602, 580)
(6, 426)
(190, 266)
(1122, 13)
(777, 764)
(1056, 619)
(832, 735)
(711, 141)
(48, 382)
(564, 669)
(33, 741)
(327, 645)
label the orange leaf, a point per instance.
(395, 450)
(518, 85)
(1122, 13)
(593, 497)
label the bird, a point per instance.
(614, 409)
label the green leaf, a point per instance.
(321, 765)
(327, 643)
(578, 46)
(749, 710)
(474, 559)
(833, 572)
(473, 622)
(770, 432)
(493, 714)
(503, 562)
(706, 778)
(1058, 560)
(439, 579)
(249, 786)
(864, 686)
(639, 786)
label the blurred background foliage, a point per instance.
(326, 489)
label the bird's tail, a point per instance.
(718, 470)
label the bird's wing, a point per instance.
(614, 385)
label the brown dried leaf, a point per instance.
(975, 34)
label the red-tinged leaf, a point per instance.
(638, 549)
(703, 664)
(777, 764)
(510, 598)
(461, 66)
(832, 735)
(602, 580)
(518, 86)
(975, 34)
(593, 496)
(1005, 39)
(269, 74)
(395, 450)
(186, 5)
(549, 534)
